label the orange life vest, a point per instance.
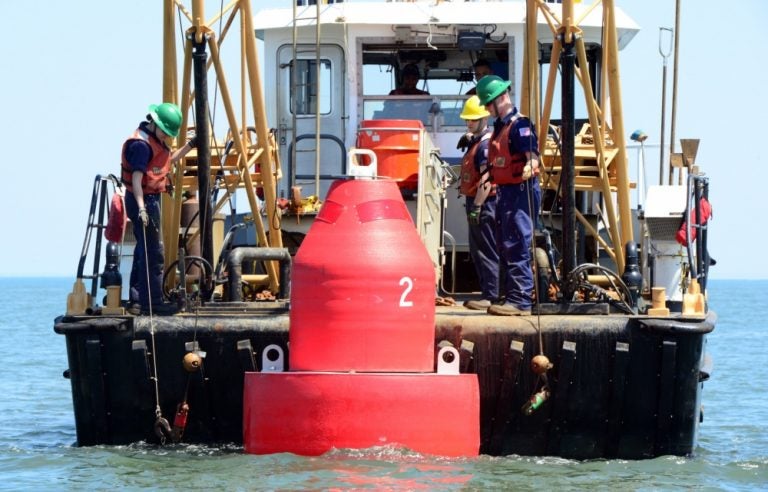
(506, 167)
(156, 177)
(470, 176)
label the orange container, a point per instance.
(397, 144)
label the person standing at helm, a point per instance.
(514, 167)
(145, 165)
(410, 75)
(481, 68)
(480, 206)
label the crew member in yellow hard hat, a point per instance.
(145, 164)
(480, 205)
(513, 157)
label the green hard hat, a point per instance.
(490, 87)
(167, 116)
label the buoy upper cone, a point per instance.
(363, 286)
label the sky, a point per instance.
(78, 76)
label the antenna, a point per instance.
(664, 55)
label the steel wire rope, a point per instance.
(558, 154)
(529, 193)
(541, 377)
(160, 422)
(212, 116)
(213, 192)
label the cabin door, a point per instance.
(300, 103)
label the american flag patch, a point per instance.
(525, 131)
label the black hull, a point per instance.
(627, 387)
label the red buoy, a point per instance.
(310, 413)
(361, 342)
(362, 286)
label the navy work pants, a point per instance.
(483, 250)
(149, 262)
(515, 203)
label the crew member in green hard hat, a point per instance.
(514, 165)
(480, 204)
(145, 164)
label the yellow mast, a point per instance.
(170, 94)
(600, 149)
(250, 164)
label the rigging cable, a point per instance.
(538, 396)
(529, 191)
(162, 427)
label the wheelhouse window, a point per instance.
(305, 98)
(446, 72)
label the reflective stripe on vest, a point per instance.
(470, 176)
(505, 167)
(155, 179)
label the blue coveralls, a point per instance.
(482, 236)
(513, 217)
(138, 154)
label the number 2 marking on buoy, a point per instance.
(408, 282)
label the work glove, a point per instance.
(473, 217)
(144, 216)
(527, 172)
(192, 142)
(464, 141)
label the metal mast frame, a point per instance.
(604, 140)
(251, 164)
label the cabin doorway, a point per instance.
(304, 106)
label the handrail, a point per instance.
(695, 221)
(98, 200)
(305, 136)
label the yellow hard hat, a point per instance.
(473, 110)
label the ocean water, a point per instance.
(37, 429)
